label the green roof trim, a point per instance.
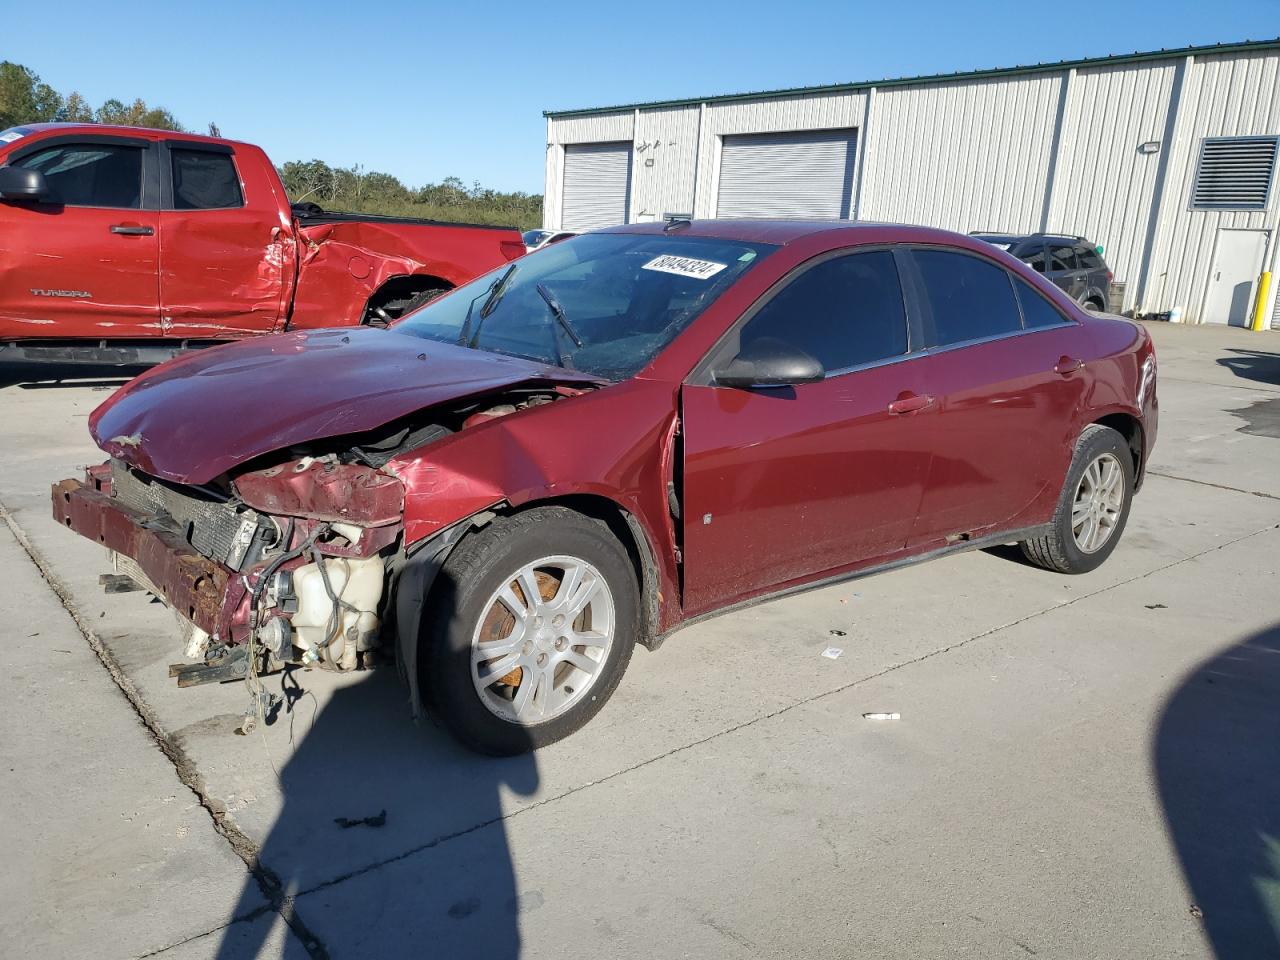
(1244, 46)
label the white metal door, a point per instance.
(597, 183)
(1237, 262)
(803, 174)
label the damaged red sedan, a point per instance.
(593, 445)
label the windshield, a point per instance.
(534, 237)
(603, 303)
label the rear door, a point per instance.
(1005, 410)
(221, 256)
(784, 484)
(84, 262)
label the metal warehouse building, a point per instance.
(1166, 159)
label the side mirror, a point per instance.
(17, 183)
(769, 362)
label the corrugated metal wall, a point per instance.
(1104, 187)
(1223, 96)
(668, 138)
(963, 156)
(1056, 150)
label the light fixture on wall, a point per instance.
(1151, 146)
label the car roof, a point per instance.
(781, 232)
(100, 129)
(1012, 238)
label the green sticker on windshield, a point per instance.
(747, 257)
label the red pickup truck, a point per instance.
(125, 245)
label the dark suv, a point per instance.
(1072, 263)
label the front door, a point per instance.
(1237, 263)
(784, 484)
(83, 262)
(222, 259)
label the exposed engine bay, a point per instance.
(294, 551)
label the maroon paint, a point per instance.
(324, 491)
(799, 484)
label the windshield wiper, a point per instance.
(558, 312)
(495, 292)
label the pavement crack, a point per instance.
(185, 768)
(746, 724)
(1216, 486)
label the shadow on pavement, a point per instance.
(391, 834)
(1259, 365)
(40, 376)
(1217, 762)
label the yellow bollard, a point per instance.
(1264, 285)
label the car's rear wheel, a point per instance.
(1093, 507)
(532, 626)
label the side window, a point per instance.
(969, 298)
(204, 180)
(1062, 256)
(845, 311)
(1033, 257)
(1036, 310)
(1088, 257)
(90, 174)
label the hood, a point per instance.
(194, 418)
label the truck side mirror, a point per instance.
(19, 184)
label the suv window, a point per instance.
(204, 180)
(1036, 310)
(1088, 257)
(1033, 256)
(1062, 256)
(90, 174)
(845, 311)
(969, 298)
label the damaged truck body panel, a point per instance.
(121, 243)
(591, 447)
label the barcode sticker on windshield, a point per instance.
(685, 266)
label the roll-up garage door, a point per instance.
(804, 174)
(597, 179)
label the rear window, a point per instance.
(1088, 257)
(1062, 256)
(1037, 312)
(969, 298)
(204, 180)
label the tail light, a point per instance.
(1110, 276)
(512, 249)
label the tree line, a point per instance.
(25, 98)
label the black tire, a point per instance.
(1058, 550)
(380, 314)
(475, 570)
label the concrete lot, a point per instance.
(1085, 767)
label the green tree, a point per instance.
(76, 109)
(24, 98)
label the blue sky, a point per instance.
(427, 90)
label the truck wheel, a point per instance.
(388, 306)
(532, 623)
(1093, 507)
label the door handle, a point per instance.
(1067, 365)
(910, 403)
(131, 230)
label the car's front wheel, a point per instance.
(532, 624)
(1093, 507)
